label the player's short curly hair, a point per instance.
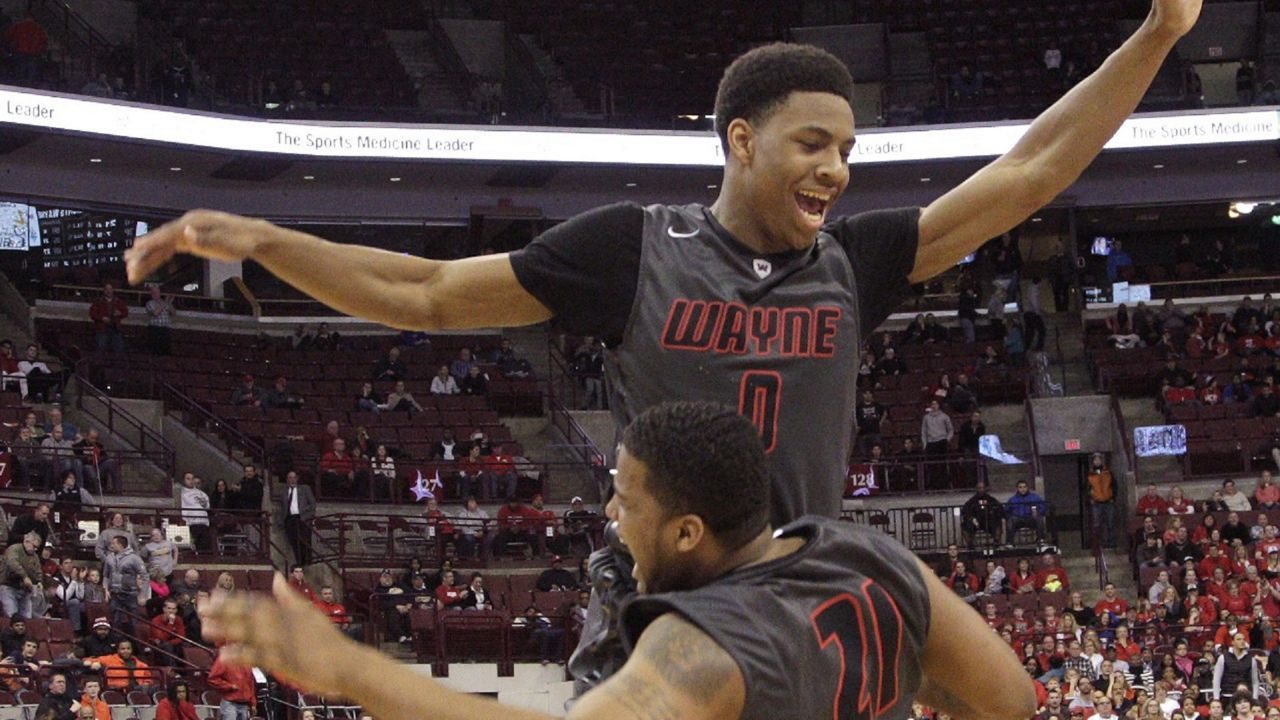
(755, 84)
(707, 460)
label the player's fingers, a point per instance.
(150, 251)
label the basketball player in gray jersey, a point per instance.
(758, 301)
(821, 619)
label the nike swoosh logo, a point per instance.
(672, 232)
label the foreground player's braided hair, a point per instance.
(706, 460)
(757, 82)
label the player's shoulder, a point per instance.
(874, 225)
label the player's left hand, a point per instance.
(282, 633)
(1176, 17)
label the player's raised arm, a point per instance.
(1056, 149)
(990, 683)
(395, 290)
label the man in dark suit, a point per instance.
(298, 507)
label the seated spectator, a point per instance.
(13, 637)
(123, 671)
(326, 339)
(69, 499)
(967, 84)
(933, 332)
(990, 360)
(382, 468)
(326, 96)
(477, 596)
(176, 705)
(1233, 529)
(1266, 403)
(93, 707)
(60, 455)
(449, 597)
(982, 513)
(416, 596)
(1178, 503)
(963, 582)
(1233, 499)
(336, 612)
(962, 398)
(1026, 509)
(556, 578)
(1210, 392)
(913, 333)
(471, 521)
(548, 638)
(338, 470)
(1051, 577)
(160, 554)
(444, 383)
(1151, 553)
(461, 367)
(509, 364)
(99, 469)
(1151, 503)
(1117, 259)
(167, 632)
(401, 400)
(578, 521)
(890, 364)
(368, 400)
(248, 393)
(390, 367)
(279, 396)
(1120, 325)
(475, 383)
(500, 474)
(11, 377)
(517, 524)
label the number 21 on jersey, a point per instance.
(865, 628)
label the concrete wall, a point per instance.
(1087, 419)
(197, 456)
(480, 43)
(533, 687)
(117, 20)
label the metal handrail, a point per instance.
(1029, 412)
(185, 640)
(163, 450)
(169, 393)
(926, 529)
(889, 473)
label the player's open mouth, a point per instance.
(813, 205)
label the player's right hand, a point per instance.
(203, 233)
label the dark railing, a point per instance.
(194, 415)
(1029, 412)
(1125, 438)
(135, 298)
(355, 539)
(98, 405)
(931, 528)
(531, 475)
(85, 52)
(235, 536)
(562, 384)
(916, 475)
(34, 471)
(446, 54)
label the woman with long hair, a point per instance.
(1178, 502)
(176, 705)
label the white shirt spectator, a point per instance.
(444, 386)
(1052, 58)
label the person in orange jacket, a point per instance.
(237, 687)
(92, 697)
(123, 671)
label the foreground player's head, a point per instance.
(691, 488)
(784, 114)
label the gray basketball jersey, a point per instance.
(776, 336)
(836, 629)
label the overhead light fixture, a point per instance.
(1158, 167)
(308, 177)
(175, 169)
(191, 287)
(712, 187)
(95, 160)
(1275, 219)
(395, 179)
(1036, 219)
(1242, 161)
(631, 184)
(923, 180)
(1244, 208)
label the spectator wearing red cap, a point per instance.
(556, 577)
(236, 685)
(247, 393)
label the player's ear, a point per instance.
(691, 531)
(742, 138)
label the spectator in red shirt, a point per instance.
(1213, 560)
(449, 597)
(550, 528)
(517, 523)
(1211, 392)
(1267, 496)
(1178, 393)
(175, 705)
(236, 685)
(1151, 503)
(962, 581)
(166, 632)
(337, 613)
(338, 471)
(438, 522)
(501, 472)
(1126, 649)
(1051, 577)
(107, 312)
(298, 582)
(1023, 579)
(27, 42)
(1110, 603)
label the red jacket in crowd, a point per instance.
(185, 711)
(336, 612)
(161, 632)
(26, 37)
(335, 463)
(235, 683)
(108, 313)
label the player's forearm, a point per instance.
(388, 689)
(377, 285)
(1065, 139)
